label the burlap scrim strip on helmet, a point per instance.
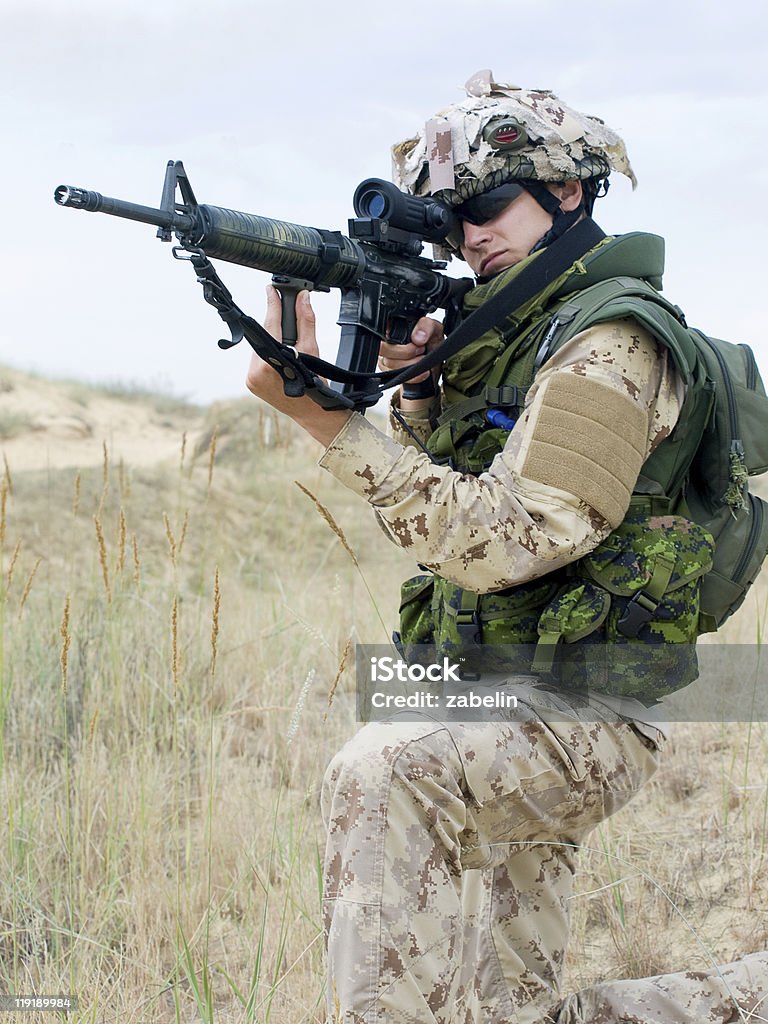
(562, 143)
(588, 440)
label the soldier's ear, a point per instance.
(571, 194)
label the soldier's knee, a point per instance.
(413, 752)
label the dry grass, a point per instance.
(175, 654)
(170, 640)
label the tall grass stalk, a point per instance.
(327, 515)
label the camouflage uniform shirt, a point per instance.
(505, 526)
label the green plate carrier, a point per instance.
(694, 537)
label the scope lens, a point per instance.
(373, 204)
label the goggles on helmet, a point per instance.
(482, 208)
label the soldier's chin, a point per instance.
(496, 265)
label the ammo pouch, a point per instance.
(623, 620)
(467, 444)
(466, 438)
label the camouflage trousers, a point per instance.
(449, 867)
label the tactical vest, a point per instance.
(625, 618)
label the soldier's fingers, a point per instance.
(427, 332)
(272, 318)
(401, 354)
(306, 325)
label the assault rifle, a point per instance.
(386, 285)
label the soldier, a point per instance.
(451, 845)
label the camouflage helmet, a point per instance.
(502, 132)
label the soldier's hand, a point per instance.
(426, 335)
(266, 383)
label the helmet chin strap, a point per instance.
(561, 220)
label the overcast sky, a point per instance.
(281, 109)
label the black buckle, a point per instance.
(641, 609)
(468, 626)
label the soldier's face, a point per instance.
(507, 238)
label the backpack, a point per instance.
(720, 441)
(734, 447)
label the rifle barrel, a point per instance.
(95, 202)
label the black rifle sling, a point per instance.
(553, 262)
(297, 379)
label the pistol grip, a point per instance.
(421, 389)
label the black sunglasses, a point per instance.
(482, 208)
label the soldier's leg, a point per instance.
(724, 995)
(395, 812)
(516, 932)
(409, 807)
(530, 886)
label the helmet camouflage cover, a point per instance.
(501, 132)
